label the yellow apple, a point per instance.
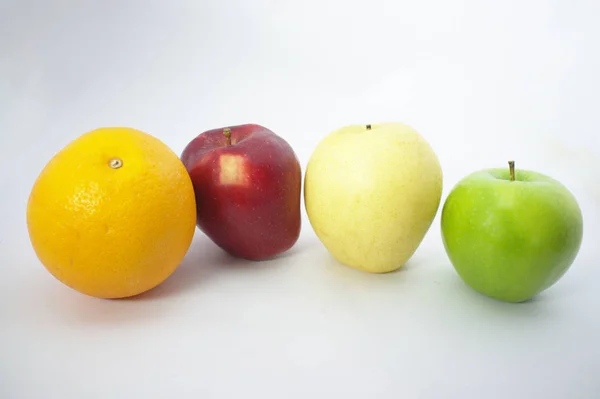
(371, 193)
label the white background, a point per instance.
(483, 81)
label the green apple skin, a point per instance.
(371, 193)
(511, 239)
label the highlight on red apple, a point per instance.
(247, 181)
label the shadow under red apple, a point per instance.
(202, 263)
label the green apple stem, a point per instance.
(511, 166)
(368, 127)
(227, 134)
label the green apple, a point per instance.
(371, 193)
(511, 234)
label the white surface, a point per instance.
(484, 81)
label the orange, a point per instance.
(113, 213)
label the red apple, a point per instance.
(247, 182)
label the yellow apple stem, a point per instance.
(227, 134)
(368, 127)
(511, 166)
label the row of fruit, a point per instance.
(113, 213)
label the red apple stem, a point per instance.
(368, 127)
(227, 134)
(511, 167)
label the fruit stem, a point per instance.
(227, 134)
(511, 167)
(115, 163)
(368, 127)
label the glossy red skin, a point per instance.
(257, 221)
